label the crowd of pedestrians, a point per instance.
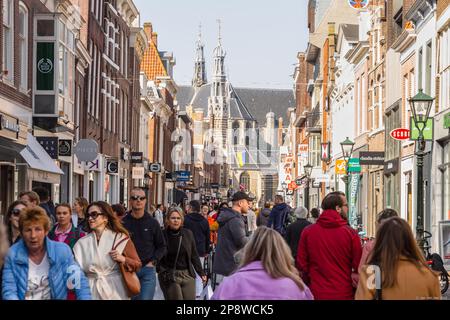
(103, 252)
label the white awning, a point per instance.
(37, 158)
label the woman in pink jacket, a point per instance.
(266, 272)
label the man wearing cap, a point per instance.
(231, 237)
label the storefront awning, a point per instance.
(37, 158)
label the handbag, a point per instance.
(130, 278)
(168, 275)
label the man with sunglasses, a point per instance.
(148, 239)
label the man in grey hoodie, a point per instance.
(231, 236)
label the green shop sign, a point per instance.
(45, 66)
(427, 132)
(354, 165)
(447, 121)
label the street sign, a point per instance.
(371, 158)
(155, 167)
(112, 167)
(65, 148)
(50, 144)
(137, 157)
(183, 175)
(340, 167)
(427, 132)
(138, 173)
(400, 134)
(86, 150)
(354, 165)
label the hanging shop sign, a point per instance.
(137, 157)
(138, 173)
(325, 151)
(400, 134)
(370, 158)
(112, 167)
(65, 148)
(341, 167)
(391, 166)
(354, 165)
(155, 167)
(358, 4)
(50, 144)
(428, 131)
(183, 175)
(354, 186)
(86, 150)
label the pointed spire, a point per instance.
(220, 31)
(200, 66)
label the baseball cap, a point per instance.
(241, 196)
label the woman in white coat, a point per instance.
(102, 250)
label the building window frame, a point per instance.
(8, 40)
(23, 46)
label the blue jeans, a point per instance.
(147, 277)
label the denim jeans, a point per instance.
(147, 277)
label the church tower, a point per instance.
(200, 66)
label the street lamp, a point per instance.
(347, 150)
(308, 170)
(420, 107)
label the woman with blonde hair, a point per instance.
(266, 263)
(176, 270)
(101, 252)
(404, 271)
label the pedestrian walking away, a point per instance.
(294, 230)
(231, 235)
(278, 215)
(37, 268)
(266, 272)
(100, 253)
(147, 236)
(178, 268)
(263, 217)
(329, 252)
(405, 273)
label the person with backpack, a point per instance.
(279, 215)
(329, 252)
(263, 216)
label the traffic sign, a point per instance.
(86, 150)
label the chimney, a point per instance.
(148, 29)
(155, 39)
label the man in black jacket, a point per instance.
(199, 226)
(294, 230)
(148, 239)
(232, 236)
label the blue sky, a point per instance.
(261, 37)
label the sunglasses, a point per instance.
(135, 198)
(16, 212)
(94, 215)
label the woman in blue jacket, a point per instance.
(37, 268)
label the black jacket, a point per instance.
(231, 239)
(200, 228)
(191, 257)
(147, 237)
(263, 217)
(294, 232)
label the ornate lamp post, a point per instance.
(420, 107)
(308, 169)
(347, 150)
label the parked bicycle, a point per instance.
(435, 262)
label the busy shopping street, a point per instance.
(225, 151)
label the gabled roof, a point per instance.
(152, 64)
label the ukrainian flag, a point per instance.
(241, 158)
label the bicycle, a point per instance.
(435, 262)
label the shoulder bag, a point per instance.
(130, 278)
(168, 275)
